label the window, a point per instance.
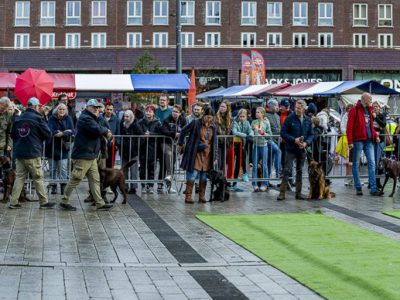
(248, 39)
(73, 40)
(160, 39)
(134, 10)
(385, 15)
(134, 40)
(21, 41)
(99, 13)
(300, 13)
(360, 40)
(385, 40)
(213, 13)
(274, 39)
(274, 13)
(249, 13)
(360, 17)
(325, 40)
(325, 14)
(22, 9)
(48, 13)
(47, 40)
(73, 13)
(300, 39)
(99, 40)
(187, 39)
(187, 12)
(160, 13)
(213, 39)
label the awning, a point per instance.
(206, 94)
(229, 92)
(7, 80)
(318, 88)
(358, 87)
(268, 89)
(63, 82)
(103, 82)
(160, 82)
(294, 89)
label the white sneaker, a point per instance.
(350, 182)
(168, 179)
(172, 191)
(256, 189)
(263, 188)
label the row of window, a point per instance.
(212, 13)
(212, 39)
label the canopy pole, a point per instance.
(178, 98)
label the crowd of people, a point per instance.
(235, 144)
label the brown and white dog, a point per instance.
(392, 170)
(318, 187)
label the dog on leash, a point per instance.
(9, 176)
(319, 189)
(392, 170)
(114, 179)
(219, 181)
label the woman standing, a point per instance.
(129, 146)
(262, 133)
(200, 153)
(62, 131)
(223, 122)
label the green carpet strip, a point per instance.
(393, 213)
(335, 259)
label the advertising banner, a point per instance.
(247, 68)
(258, 72)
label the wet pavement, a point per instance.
(154, 247)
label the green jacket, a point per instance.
(261, 140)
(5, 130)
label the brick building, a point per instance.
(301, 40)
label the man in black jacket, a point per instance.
(29, 132)
(85, 153)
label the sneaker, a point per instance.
(67, 207)
(377, 193)
(168, 179)
(237, 188)
(263, 188)
(245, 178)
(171, 191)
(14, 206)
(256, 189)
(149, 190)
(349, 183)
(47, 205)
(359, 193)
(105, 207)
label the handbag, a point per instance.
(342, 148)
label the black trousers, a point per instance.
(300, 157)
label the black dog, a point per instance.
(217, 179)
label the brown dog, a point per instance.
(392, 170)
(9, 176)
(318, 187)
(114, 178)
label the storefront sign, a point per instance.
(70, 95)
(295, 77)
(388, 79)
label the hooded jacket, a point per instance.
(356, 127)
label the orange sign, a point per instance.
(70, 95)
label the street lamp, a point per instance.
(178, 47)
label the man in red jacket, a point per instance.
(361, 135)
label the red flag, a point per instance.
(247, 66)
(258, 74)
(192, 91)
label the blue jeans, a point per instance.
(260, 153)
(191, 176)
(274, 156)
(59, 169)
(368, 148)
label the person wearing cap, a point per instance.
(6, 119)
(274, 151)
(311, 110)
(29, 132)
(84, 156)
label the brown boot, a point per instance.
(188, 192)
(299, 196)
(202, 192)
(282, 191)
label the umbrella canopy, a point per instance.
(34, 83)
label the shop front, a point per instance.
(296, 77)
(389, 79)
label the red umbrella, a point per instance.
(34, 83)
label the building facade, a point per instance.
(301, 40)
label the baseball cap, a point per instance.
(285, 102)
(272, 103)
(33, 101)
(93, 102)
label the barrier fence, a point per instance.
(157, 159)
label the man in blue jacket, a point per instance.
(84, 155)
(297, 132)
(29, 132)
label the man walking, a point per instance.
(84, 155)
(297, 132)
(29, 132)
(361, 136)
